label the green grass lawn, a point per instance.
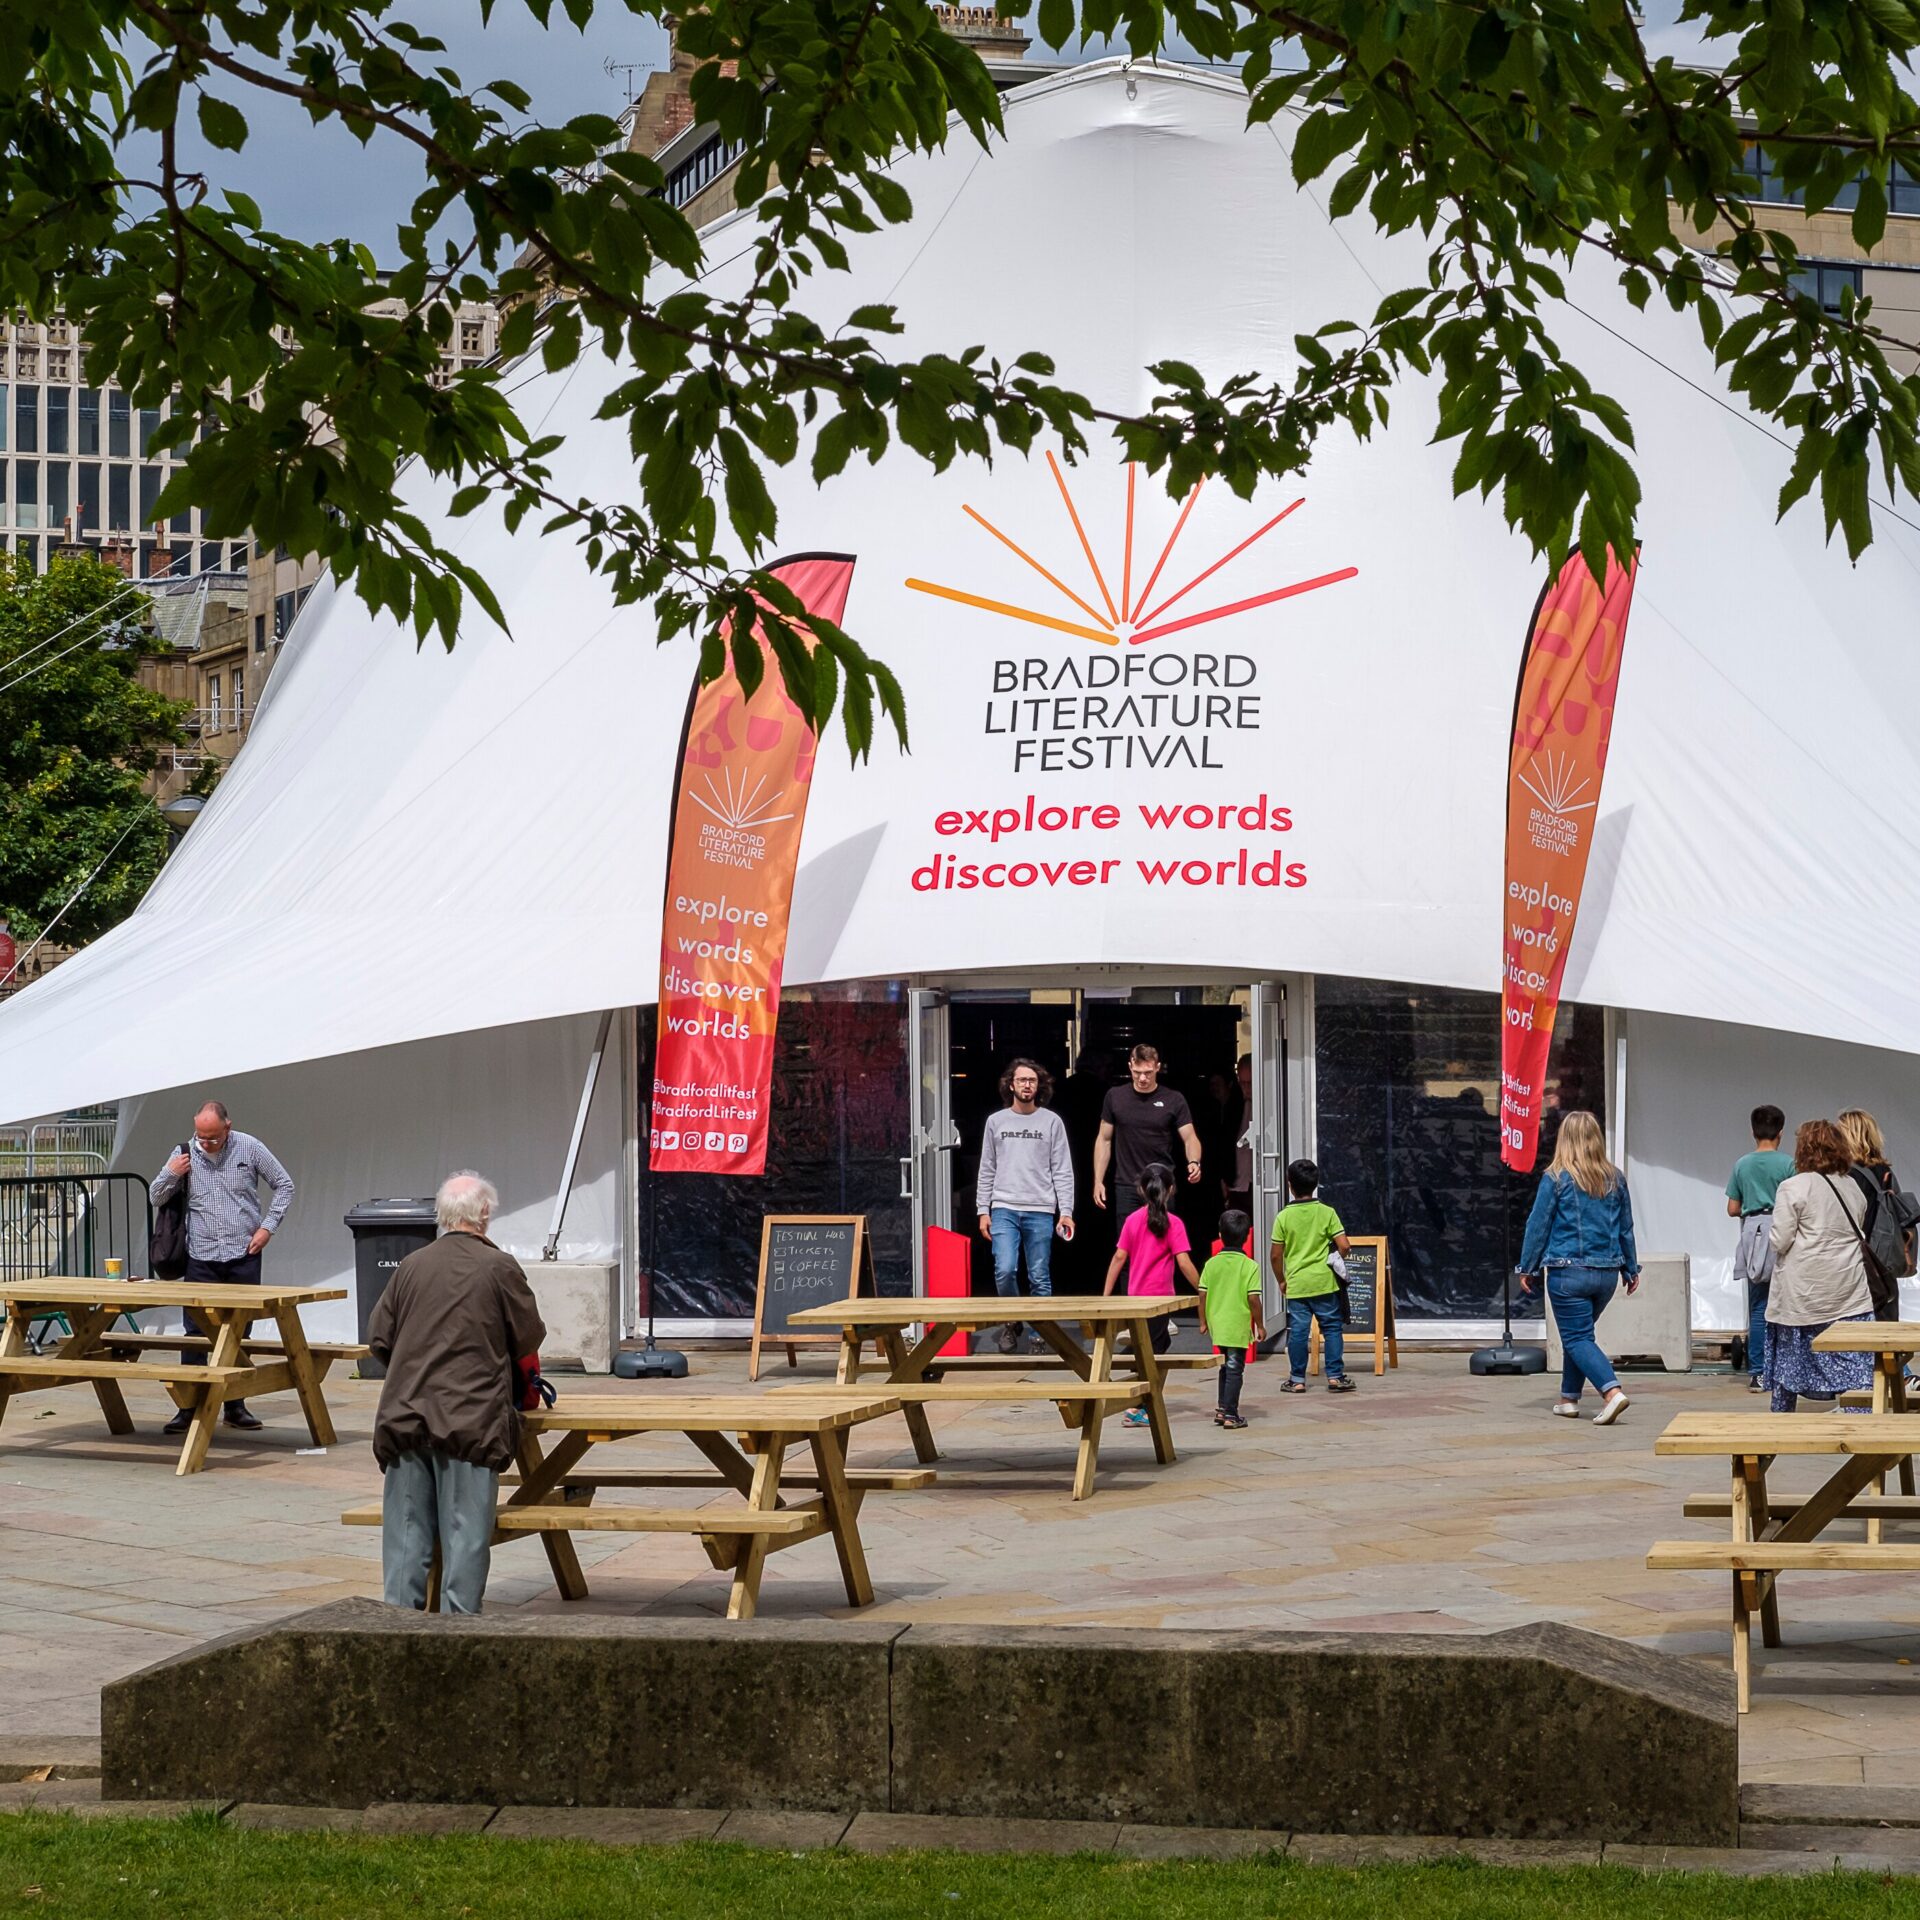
(56, 1865)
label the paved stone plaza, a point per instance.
(1428, 1501)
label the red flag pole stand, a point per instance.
(1506, 1358)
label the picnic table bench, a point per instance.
(918, 1376)
(744, 1439)
(232, 1366)
(1771, 1536)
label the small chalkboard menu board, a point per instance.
(806, 1260)
(1366, 1303)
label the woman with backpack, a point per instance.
(1890, 1239)
(1580, 1242)
(1819, 1271)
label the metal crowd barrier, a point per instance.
(60, 1223)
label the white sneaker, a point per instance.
(1616, 1404)
(1567, 1409)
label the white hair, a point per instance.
(464, 1200)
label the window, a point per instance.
(89, 510)
(89, 421)
(149, 493)
(26, 419)
(149, 426)
(119, 501)
(60, 367)
(59, 496)
(26, 493)
(28, 359)
(286, 607)
(182, 522)
(470, 336)
(3, 490)
(259, 633)
(213, 703)
(3, 416)
(1408, 1128)
(119, 424)
(1826, 280)
(58, 401)
(239, 699)
(210, 558)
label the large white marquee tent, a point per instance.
(389, 938)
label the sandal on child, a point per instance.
(1342, 1385)
(1135, 1417)
(1294, 1386)
(1232, 1420)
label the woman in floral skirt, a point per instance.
(1820, 1271)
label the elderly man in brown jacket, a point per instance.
(449, 1329)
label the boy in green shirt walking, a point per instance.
(1305, 1232)
(1231, 1283)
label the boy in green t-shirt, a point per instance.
(1231, 1283)
(1750, 1191)
(1305, 1232)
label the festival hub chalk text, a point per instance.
(1039, 858)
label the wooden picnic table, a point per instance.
(1891, 1342)
(1772, 1535)
(744, 1439)
(919, 1376)
(235, 1366)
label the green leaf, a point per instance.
(223, 125)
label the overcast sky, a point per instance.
(317, 183)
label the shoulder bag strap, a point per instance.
(1866, 1252)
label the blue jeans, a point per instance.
(1301, 1314)
(1757, 1298)
(1013, 1231)
(1580, 1296)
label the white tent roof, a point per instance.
(415, 843)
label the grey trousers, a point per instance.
(429, 1499)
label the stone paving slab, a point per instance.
(1396, 1508)
(787, 1832)
(1884, 1843)
(1197, 1843)
(1762, 1805)
(1745, 1863)
(82, 1798)
(957, 1833)
(608, 1826)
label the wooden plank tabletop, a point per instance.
(133, 1295)
(1791, 1433)
(1869, 1336)
(990, 1309)
(796, 1413)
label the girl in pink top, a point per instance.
(1153, 1244)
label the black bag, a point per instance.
(167, 1243)
(1883, 1281)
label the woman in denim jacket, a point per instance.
(1580, 1240)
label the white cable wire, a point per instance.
(72, 897)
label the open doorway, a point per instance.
(1083, 1040)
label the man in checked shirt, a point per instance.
(226, 1226)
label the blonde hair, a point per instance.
(1865, 1142)
(1581, 1150)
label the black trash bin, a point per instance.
(384, 1233)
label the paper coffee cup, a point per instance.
(116, 1269)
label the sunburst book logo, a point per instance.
(1134, 618)
(1555, 784)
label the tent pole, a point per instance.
(560, 1199)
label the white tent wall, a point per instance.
(398, 1120)
(1691, 1085)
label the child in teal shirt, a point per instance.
(1231, 1283)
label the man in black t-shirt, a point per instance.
(1139, 1124)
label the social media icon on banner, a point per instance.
(669, 1143)
(736, 1143)
(716, 1143)
(653, 1139)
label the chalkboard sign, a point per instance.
(1366, 1303)
(806, 1260)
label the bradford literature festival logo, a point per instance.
(1134, 618)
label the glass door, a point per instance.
(1268, 1117)
(926, 1170)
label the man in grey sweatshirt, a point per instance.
(1025, 1192)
